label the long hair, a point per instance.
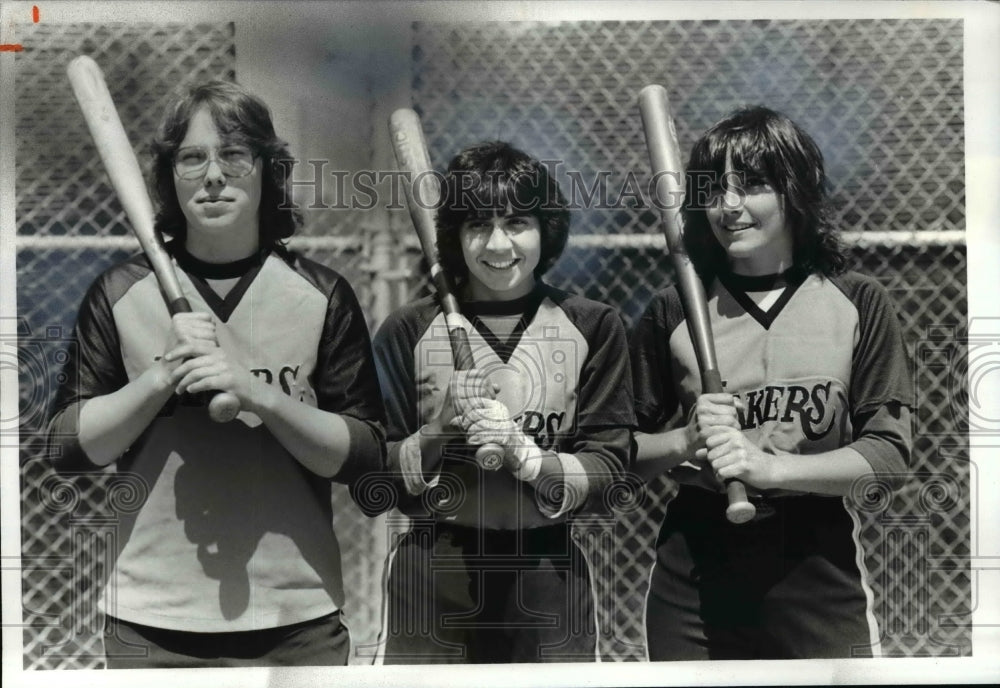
(763, 145)
(240, 117)
(492, 177)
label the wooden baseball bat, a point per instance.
(122, 167)
(668, 171)
(423, 194)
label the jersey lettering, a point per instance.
(820, 395)
(796, 404)
(755, 410)
(283, 377)
(286, 378)
(771, 405)
(544, 430)
(810, 407)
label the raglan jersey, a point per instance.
(234, 533)
(563, 374)
(824, 367)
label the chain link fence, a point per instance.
(882, 98)
(884, 101)
(71, 227)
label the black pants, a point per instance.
(785, 587)
(469, 596)
(319, 642)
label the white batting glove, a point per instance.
(470, 389)
(489, 422)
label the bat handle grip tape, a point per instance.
(460, 348)
(179, 305)
(488, 456)
(740, 510)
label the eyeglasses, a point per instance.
(191, 162)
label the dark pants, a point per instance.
(319, 642)
(468, 596)
(785, 587)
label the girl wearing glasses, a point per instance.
(231, 560)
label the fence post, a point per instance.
(379, 267)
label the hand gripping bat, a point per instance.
(423, 192)
(126, 177)
(668, 171)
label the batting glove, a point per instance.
(490, 423)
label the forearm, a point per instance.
(584, 476)
(318, 439)
(830, 473)
(550, 468)
(109, 424)
(414, 461)
(561, 483)
(659, 452)
(432, 439)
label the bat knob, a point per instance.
(223, 407)
(489, 457)
(740, 510)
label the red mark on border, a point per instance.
(17, 47)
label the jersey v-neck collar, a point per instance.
(526, 306)
(740, 285)
(198, 271)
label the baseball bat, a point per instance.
(668, 171)
(423, 194)
(122, 166)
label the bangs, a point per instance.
(239, 117)
(763, 146)
(240, 123)
(753, 156)
(493, 192)
(228, 121)
(494, 178)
